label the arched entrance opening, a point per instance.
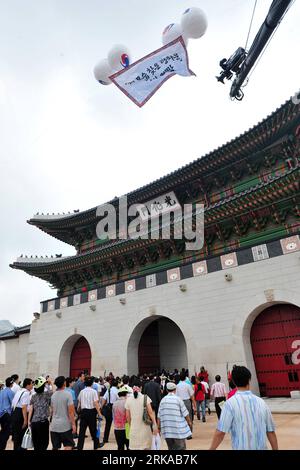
(156, 343)
(275, 336)
(80, 358)
(75, 356)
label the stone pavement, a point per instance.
(287, 429)
(278, 405)
(283, 405)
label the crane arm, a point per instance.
(272, 20)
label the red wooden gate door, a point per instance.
(80, 358)
(274, 335)
(149, 358)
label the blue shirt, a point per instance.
(6, 398)
(247, 418)
(77, 387)
(69, 389)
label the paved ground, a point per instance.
(283, 405)
(279, 405)
(288, 433)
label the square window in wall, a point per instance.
(260, 252)
(64, 302)
(199, 268)
(290, 244)
(92, 295)
(151, 280)
(229, 261)
(111, 291)
(130, 286)
(173, 275)
(76, 299)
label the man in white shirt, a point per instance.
(19, 417)
(88, 403)
(110, 397)
(16, 387)
(126, 386)
(185, 391)
(219, 393)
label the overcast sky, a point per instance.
(69, 143)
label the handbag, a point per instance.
(27, 440)
(107, 408)
(127, 431)
(98, 431)
(107, 411)
(146, 418)
(16, 414)
(156, 442)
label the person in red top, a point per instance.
(203, 373)
(232, 386)
(232, 392)
(200, 398)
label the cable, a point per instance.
(250, 27)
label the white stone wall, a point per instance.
(214, 315)
(14, 357)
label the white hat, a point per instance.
(171, 386)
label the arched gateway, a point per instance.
(275, 335)
(75, 356)
(156, 343)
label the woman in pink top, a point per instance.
(119, 417)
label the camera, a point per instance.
(232, 65)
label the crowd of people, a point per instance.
(141, 409)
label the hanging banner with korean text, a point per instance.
(143, 78)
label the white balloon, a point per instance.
(102, 72)
(119, 57)
(194, 22)
(172, 32)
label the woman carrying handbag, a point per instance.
(39, 412)
(140, 415)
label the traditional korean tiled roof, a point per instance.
(39, 259)
(273, 128)
(264, 193)
(16, 332)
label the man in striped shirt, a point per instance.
(246, 417)
(173, 419)
(219, 393)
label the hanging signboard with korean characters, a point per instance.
(143, 78)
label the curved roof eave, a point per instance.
(63, 226)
